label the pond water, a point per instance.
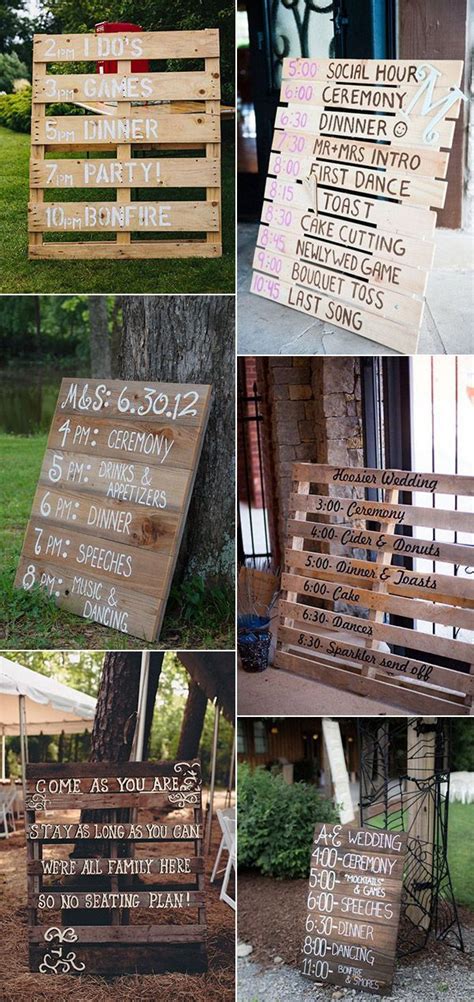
(27, 400)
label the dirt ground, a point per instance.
(17, 984)
(271, 917)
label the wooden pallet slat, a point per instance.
(135, 109)
(324, 632)
(359, 156)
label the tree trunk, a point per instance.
(114, 724)
(116, 336)
(101, 365)
(214, 672)
(37, 305)
(193, 722)
(116, 711)
(190, 339)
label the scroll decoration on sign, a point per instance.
(359, 159)
(55, 962)
(112, 499)
(335, 602)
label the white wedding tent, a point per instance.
(31, 703)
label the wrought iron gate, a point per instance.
(254, 545)
(417, 802)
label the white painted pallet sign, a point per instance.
(173, 115)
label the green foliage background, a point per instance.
(276, 822)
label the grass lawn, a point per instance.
(18, 274)
(460, 837)
(460, 833)
(30, 621)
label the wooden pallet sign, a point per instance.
(131, 897)
(344, 576)
(137, 174)
(359, 161)
(353, 907)
(112, 499)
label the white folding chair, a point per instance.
(228, 812)
(7, 810)
(227, 822)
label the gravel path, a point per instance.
(424, 981)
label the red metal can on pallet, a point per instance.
(119, 27)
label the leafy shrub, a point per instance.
(15, 110)
(276, 823)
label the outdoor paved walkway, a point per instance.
(276, 693)
(265, 328)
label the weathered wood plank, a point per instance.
(391, 246)
(140, 125)
(338, 313)
(305, 616)
(183, 402)
(375, 71)
(383, 184)
(50, 832)
(108, 518)
(402, 514)
(117, 606)
(350, 125)
(117, 563)
(129, 934)
(92, 900)
(110, 217)
(159, 442)
(143, 865)
(385, 663)
(414, 221)
(110, 960)
(396, 306)
(384, 273)
(399, 695)
(413, 161)
(424, 585)
(72, 87)
(170, 172)
(151, 485)
(405, 480)
(381, 542)
(430, 612)
(138, 250)
(110, 770)
(390, 100)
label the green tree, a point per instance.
(11, 23)
(11, 69)
(16, 30)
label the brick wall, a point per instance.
(312, 412)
